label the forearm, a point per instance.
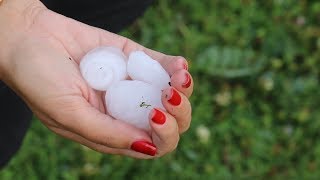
(15, 18)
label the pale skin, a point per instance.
(39, 56)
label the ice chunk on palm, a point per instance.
(132, 101)
(103, 66)
(144, 68)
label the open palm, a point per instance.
(43, 70)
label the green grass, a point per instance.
(256, 66)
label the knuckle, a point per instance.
(108, 141)
(168, 146)
(174, 145)
(185, 111)
(181, 59)
(184, 127)
(104, 140)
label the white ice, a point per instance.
(142, 67)
(103, 66)
(106, 68)
(131, 101)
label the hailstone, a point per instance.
(142, 67)
(106, 69)
(132, 101)
(103, 66)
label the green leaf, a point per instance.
(229, 62)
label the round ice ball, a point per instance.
(103, 66)
(142, 67)
(132, 101)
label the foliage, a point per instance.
(256, 67)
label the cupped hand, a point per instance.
(42, 66)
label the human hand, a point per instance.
(41, 64)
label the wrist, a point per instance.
(16, 16)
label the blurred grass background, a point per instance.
(256, 66)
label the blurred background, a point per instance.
(256, 67)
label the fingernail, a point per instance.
(187, 81)
(174, 98)
(158, 117)
(185, 66)
(144, 147)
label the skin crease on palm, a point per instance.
(41, 64)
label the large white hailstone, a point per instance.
(103, 66)
(131, 101)
(142, 67)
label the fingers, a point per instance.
(178, 106)
(165, 131)
(138, 148)
(182, 81)
(176, 66)
(83, 119)
(97, 147)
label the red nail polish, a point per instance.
(175, 98)
(185, 66)
(144, 147)
(187, 82)
(158, 117)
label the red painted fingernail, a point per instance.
(187, 82)
(144, 147)
(175, 98)
(185, 66)
(158, 117)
